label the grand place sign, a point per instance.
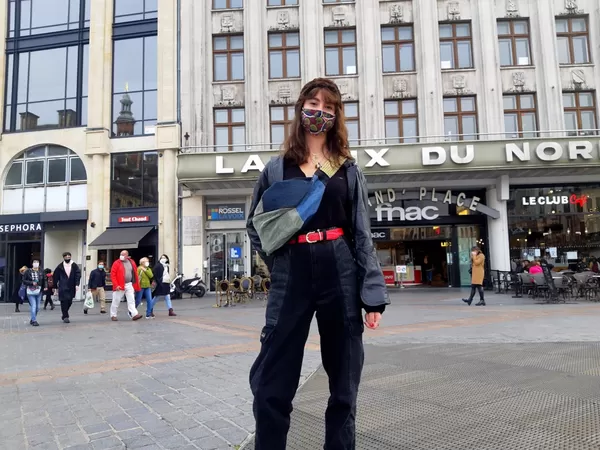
(483, 155)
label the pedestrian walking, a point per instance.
(162, 279)
(145, 276)
(34, 281)
(310, 223)
(21, 293)
(48, 289)
(67, 277)
(96, 285)
(125, 283)
(477, 274)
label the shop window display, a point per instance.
(558, 223)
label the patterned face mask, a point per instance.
(316, 121)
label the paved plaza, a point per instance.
(438, 375)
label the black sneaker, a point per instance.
(66, 320)
(35, 324)
(31, 322)
(468, 302)
(85, 311)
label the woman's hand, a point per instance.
(372, 320)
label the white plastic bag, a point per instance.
(89, 300)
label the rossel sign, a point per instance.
(21, 228)
(225, 212)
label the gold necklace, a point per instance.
(316, 161)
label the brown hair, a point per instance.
(294, 148)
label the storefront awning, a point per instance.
(120, 238)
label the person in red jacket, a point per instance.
(125, 282)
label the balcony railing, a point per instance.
(429, 139)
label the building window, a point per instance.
(513, 39)
(520, 116)
(132, 10)
(281, 118)
(46, 85)
(456, 49)
(227, 4)
(580, 113)
(284, 55)
(460, 118)
(282, 2)
(573, 40)
(401, 121)
(134, 86)
(228, 57)
(134, 180)
(352, 116)
(45, 178)
(230, 129)
(340, 52)
(398, 49)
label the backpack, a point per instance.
(50, 280)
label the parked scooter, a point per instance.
(193, 286)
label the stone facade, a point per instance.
(94, 143)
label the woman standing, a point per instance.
(34, 281)
(477, 275)
(310, 223)
(48, 289)
(145, 276)
(162, 278)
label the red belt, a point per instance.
(318, 236)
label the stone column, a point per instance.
(167, 61)
(499, 245)
(371, 93)
(100, 65)
(4, 77)
(256, 73)
(428, 66)
(549, 88)
(491, 118)
(167, 212)
(312, 34)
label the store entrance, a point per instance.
(437, 256)
(19, 254)
(226, 259)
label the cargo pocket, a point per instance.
(266, 336)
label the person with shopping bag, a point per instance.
(96, 285)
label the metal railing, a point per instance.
(428, 139)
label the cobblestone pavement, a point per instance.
(182, 383)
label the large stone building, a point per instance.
(493, 100)
(90, 132)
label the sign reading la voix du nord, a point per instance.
(484, 154)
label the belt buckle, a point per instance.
(319, 237)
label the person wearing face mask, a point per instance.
(477, 275)
(34, 281)
(162, 278)
(126, 283)
(310, 223)
(67, 277)
(96, 285)
(145, 276)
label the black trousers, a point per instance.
(48, 300)
(65, 304)
(479, 288)
(309, 278)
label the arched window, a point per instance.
(45, 178)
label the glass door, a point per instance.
(468, 237)
(226, 260)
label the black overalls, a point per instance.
(306, 279)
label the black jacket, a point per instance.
(161, 288)
(373, 291)
(97, 279)
(27, 279)
(67, 285)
